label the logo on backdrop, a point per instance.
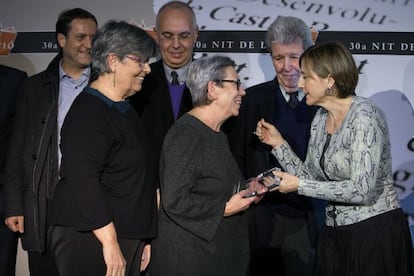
(7, 38)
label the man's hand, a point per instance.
(15, 223)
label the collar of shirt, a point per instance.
(121, 106)
(182, 72)
(79, 83)
(285, 94)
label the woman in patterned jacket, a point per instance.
(348, 163)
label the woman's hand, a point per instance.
(256, 188)
(114, 260)
(268, 134)
(288, 183)
(146, 257)
(238, 203)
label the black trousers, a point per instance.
(80, 253)
(41, 264)
(8, 251)
(288, 252)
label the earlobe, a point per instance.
(331, 81)
(112, 61)
(195, 34)
(211, 90)
(61, 40)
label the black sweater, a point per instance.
(106, 172)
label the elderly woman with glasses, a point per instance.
(203, 219)
(104, 210)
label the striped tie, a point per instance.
(174, 79)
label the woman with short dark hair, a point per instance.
(104, 211)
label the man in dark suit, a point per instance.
(284, 225)
(33, 159)
(164, 97)
(10, 81)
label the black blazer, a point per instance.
(153, 104)
(32, 165)
(10, 82)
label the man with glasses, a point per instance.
(164, 96)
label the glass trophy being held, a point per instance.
(255, 185)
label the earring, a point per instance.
(328, 91)
(113, 81)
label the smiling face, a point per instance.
(176, 36)
(229, 95)
(313, 85)
(285, 58)
(131, 73)
(76, 45)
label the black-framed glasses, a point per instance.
(236, 82)
(137, 60)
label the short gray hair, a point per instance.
(203, 70)
(121, 39)
(286, 30)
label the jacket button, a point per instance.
(34, 156)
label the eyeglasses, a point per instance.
(137, 60)
(236, 82)
(184, 37)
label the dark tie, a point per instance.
(174, 79)
(293, 99)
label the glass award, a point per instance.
(255, 185)
(252, 186)
(269, 179)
